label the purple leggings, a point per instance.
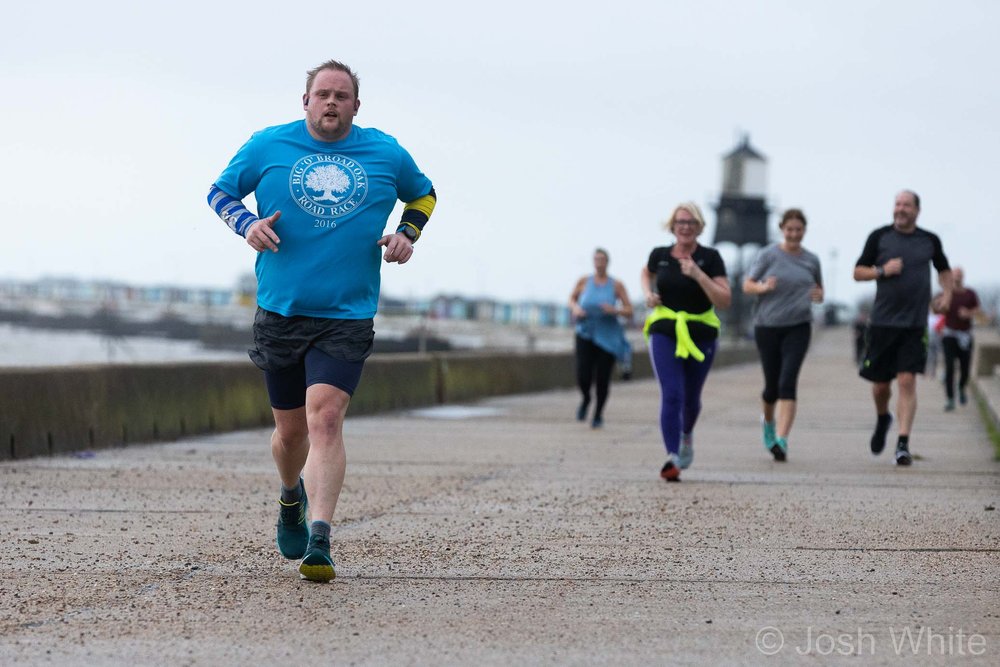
(681, 381)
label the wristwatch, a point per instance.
(879, 272)
(409, 232)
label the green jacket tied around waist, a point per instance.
(685, 345)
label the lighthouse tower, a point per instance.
(741, 220)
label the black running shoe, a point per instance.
(903, 457)
(881, 430)
(778, 453)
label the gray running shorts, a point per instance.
(296, 352)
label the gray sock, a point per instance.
(292, 495)
(320, 529)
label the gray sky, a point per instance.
(547, 128)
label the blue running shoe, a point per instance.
(316, 564)
(768, 435)
(293, 529)
(685, 455)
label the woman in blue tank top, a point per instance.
(596, 303)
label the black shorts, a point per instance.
(892, 350)
(297, 352)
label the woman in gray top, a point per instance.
(786, 279)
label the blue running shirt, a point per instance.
(601, 328)
(334, 198)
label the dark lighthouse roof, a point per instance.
(744, 150)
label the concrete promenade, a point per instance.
(510, 534)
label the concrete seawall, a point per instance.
(52, 411)
(985, 381)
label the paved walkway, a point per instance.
(518, 536)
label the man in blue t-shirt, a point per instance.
(899, 257)
(324, 190)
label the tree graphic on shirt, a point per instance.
(328, 179)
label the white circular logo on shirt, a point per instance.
(328, 186)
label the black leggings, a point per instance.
(591, 359)
(782, 350)
(952, 351)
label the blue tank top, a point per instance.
(603, 329)
(594, 295)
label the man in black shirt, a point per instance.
(898, 257)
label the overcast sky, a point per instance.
(547, 128)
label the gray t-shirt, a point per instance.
(902, 300)
(789, 303)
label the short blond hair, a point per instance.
(691, 208)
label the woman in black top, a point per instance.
(683, 283)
